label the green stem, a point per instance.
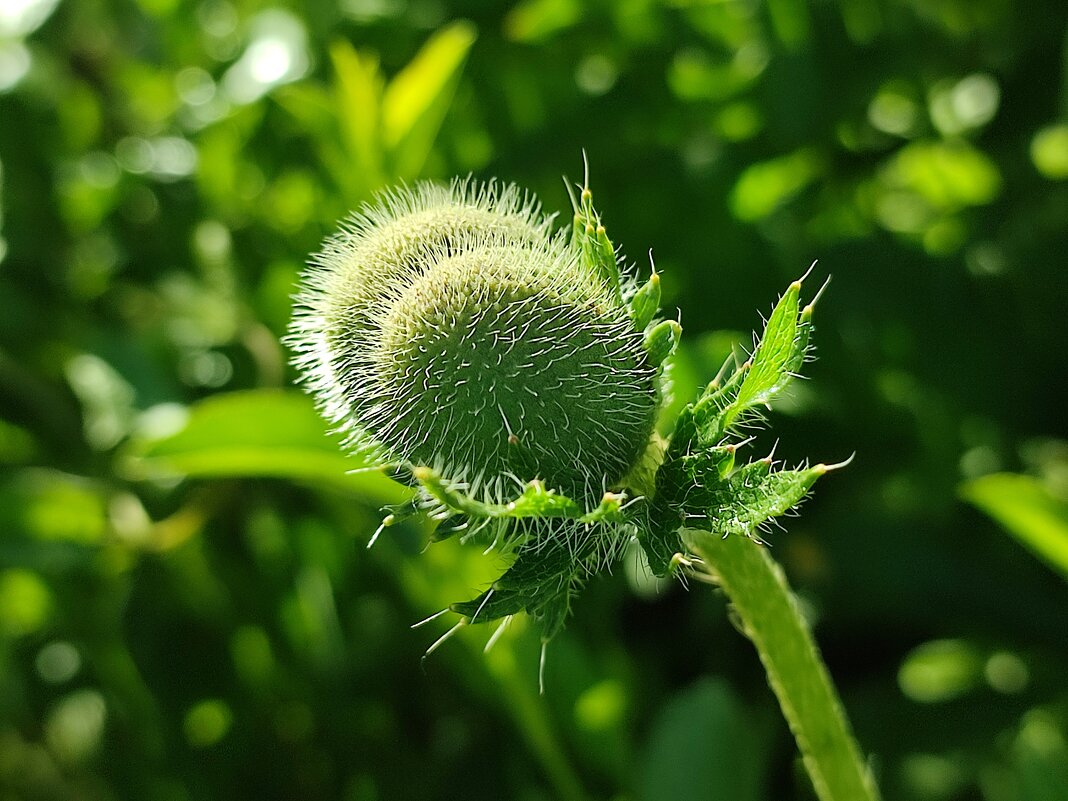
(770, 616)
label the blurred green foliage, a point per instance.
(187, 610)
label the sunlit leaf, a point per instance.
(940, 671)
(791, 21)
(309, 104)
(778, 356)
(766, 186)
(706, 729)
(358, 95)
(25, 602)
(1049, 152)
(753, 495)
(416, 100)
(535, 20)
(946, 175)
(1040, 757)
(1027, 510)
(259, 433)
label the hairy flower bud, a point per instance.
(449, 327)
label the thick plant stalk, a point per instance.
(757, 589)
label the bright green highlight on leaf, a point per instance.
(267, 433)
(415, 102)
(52, 506)
(764, 187)
(372, 131)
(1028, 511)
(207, 722)
(946, 175)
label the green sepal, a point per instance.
(590, 240)
(660, 541)
(645, 303)
(711, 466)
(535, 500)
(394, 514)
(662, 340)
(751, 496)
(451, 526)
(609, 510)
(492, 604)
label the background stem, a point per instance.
(770, 616)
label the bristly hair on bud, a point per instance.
(513, 376)
(449, 327)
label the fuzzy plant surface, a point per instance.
(512, 375)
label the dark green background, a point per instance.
(195, 617)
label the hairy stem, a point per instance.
(770, 616)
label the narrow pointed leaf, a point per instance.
(417, 99)
(776, 360)
(359, 86)
(1028, 511)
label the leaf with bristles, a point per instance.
(777, 359)
(753, 495)
(535, 501)
(538, 582)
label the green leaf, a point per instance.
(764, 187)
(778, 356)
(1027, 510)
(707, 729)
(538, 20)
(1039, 757)
(776, 351)
(492, 604)
(415, 103)
(269, 433)
(309, 104)
(358, 95)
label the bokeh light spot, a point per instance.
(25, 602)
(58, 662)
(939, 671)
(207, 722)
(75, 725)
(1049, 152)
